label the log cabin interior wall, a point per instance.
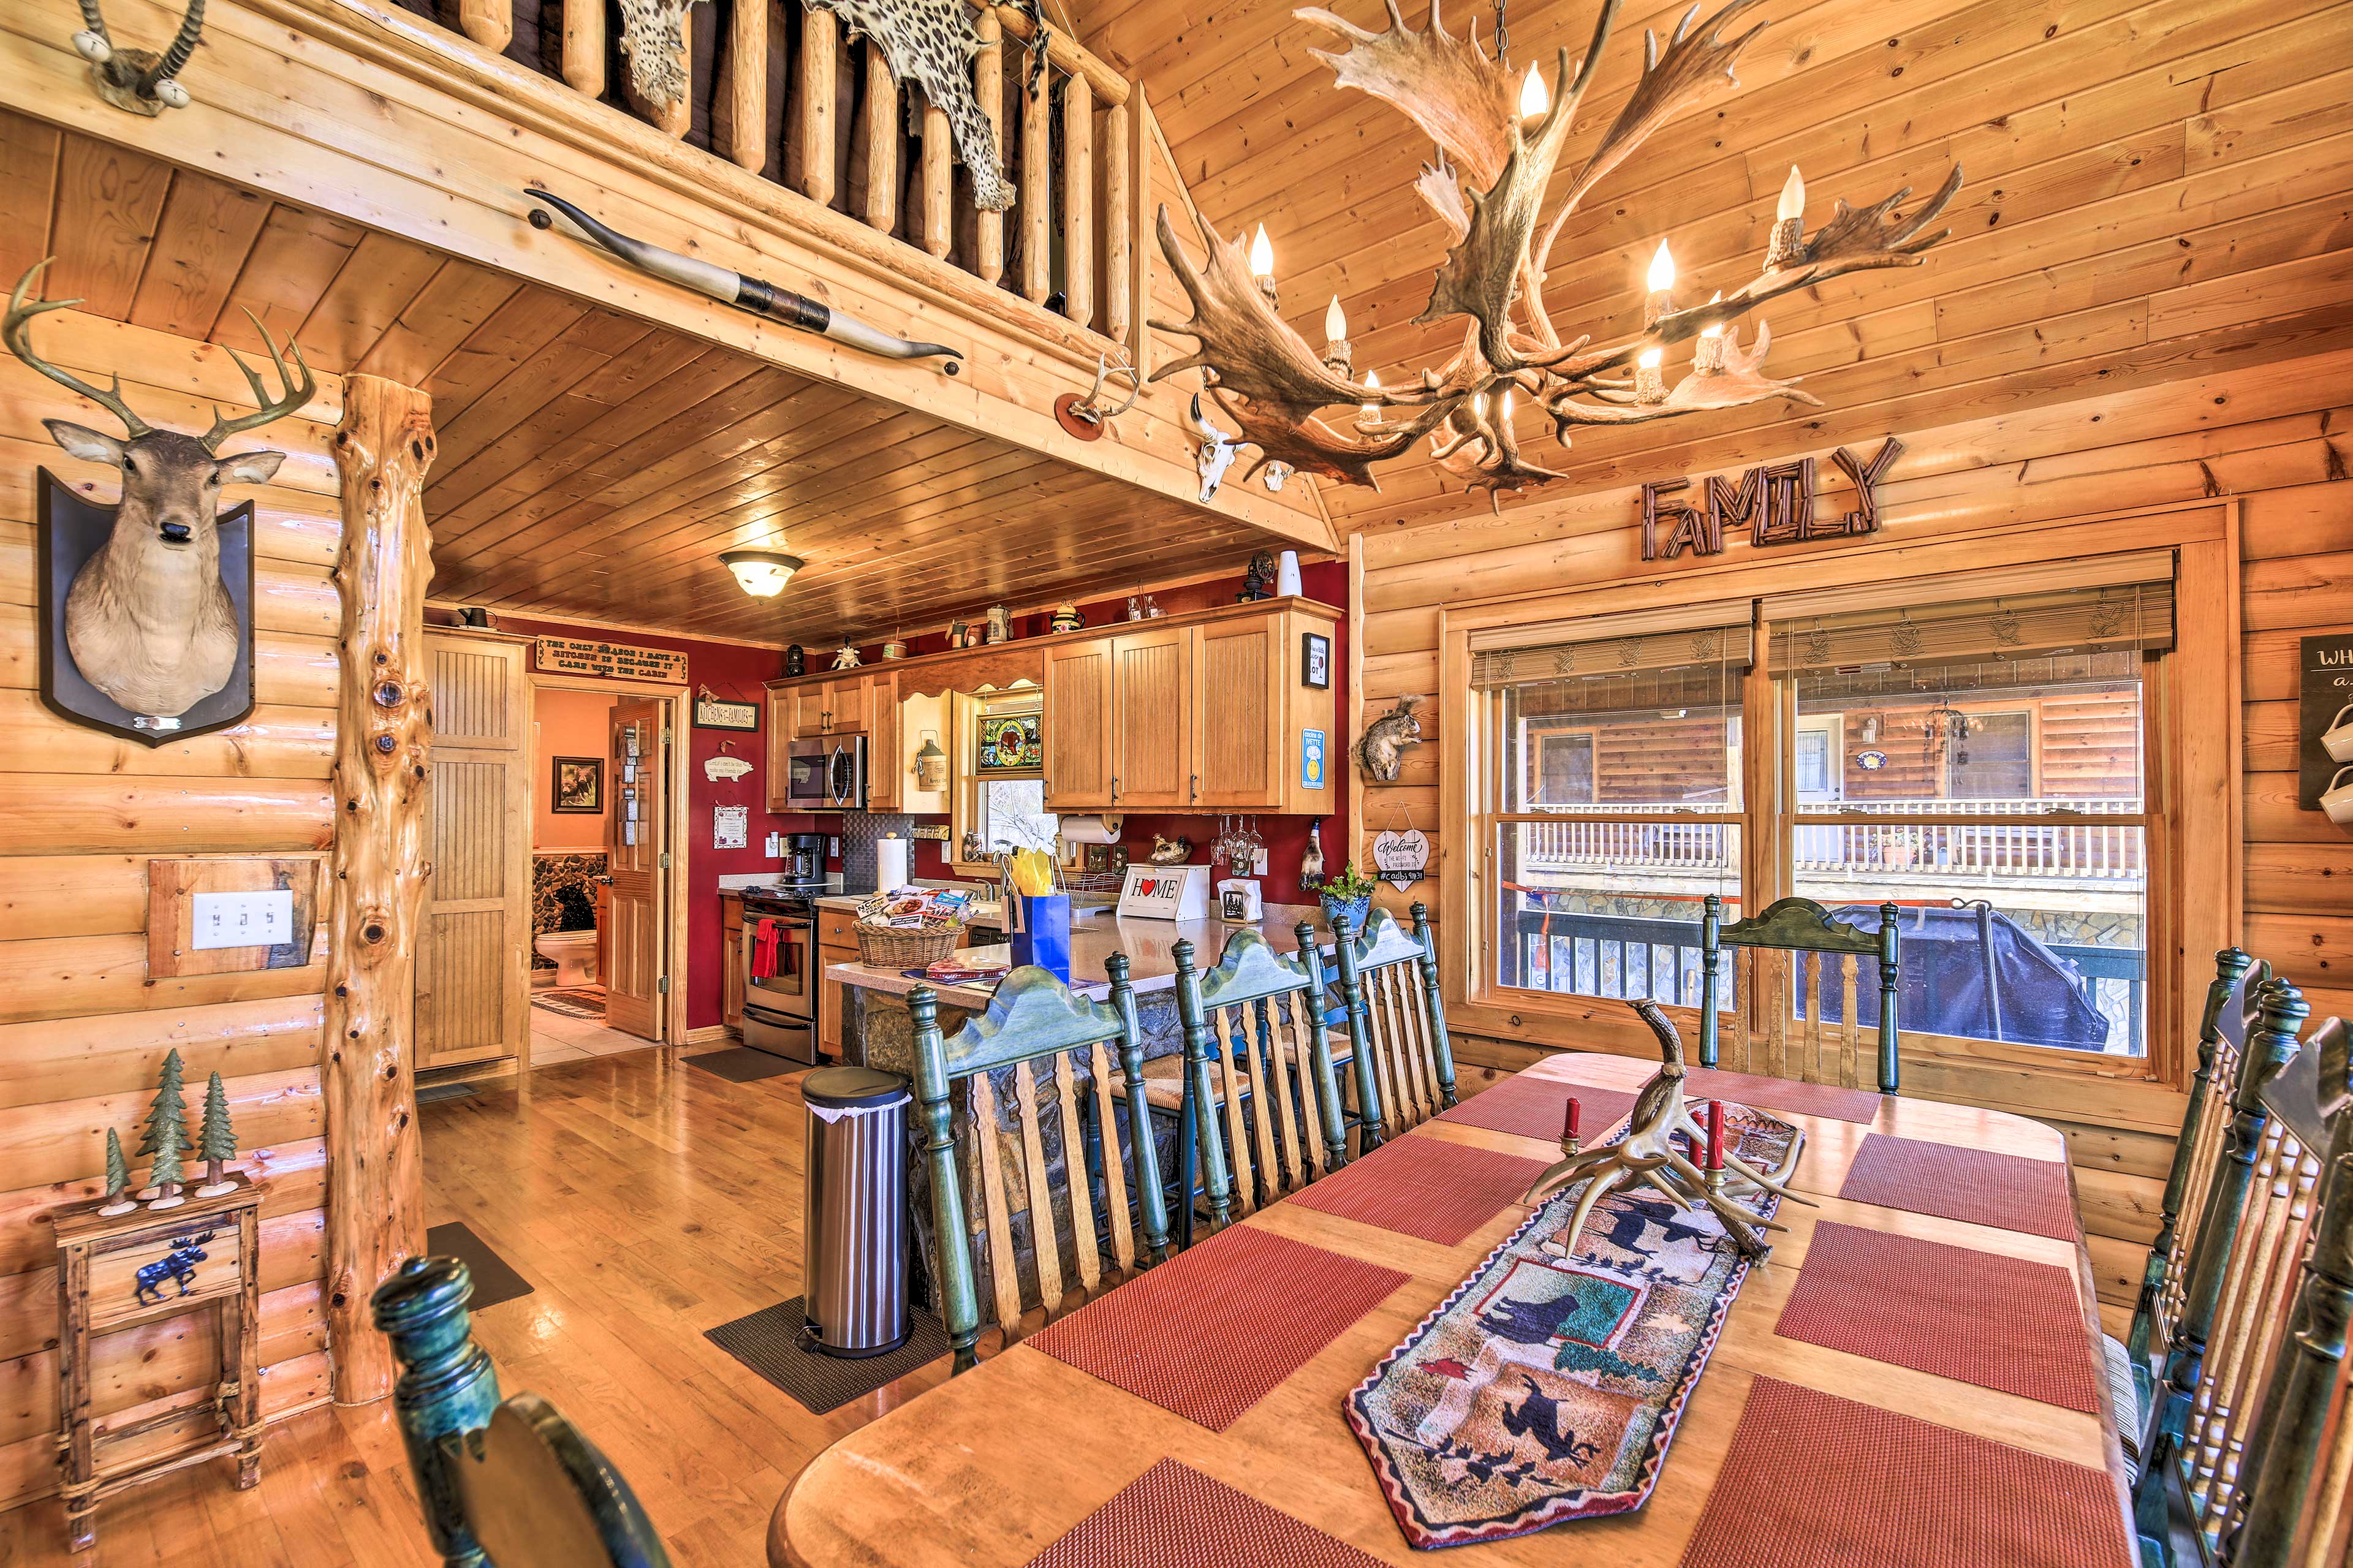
(83, 1028)
(2272, 435)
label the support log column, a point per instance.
(383, 738)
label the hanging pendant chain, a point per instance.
(1503, 34)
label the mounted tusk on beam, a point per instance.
(768, 299)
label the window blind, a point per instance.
(1716, 635)
(2067, 621)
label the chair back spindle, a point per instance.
(1391, 1001)
(1033, 1023)
(1781, 951)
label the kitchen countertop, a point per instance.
(1095, 935)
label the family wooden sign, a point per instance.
(1774, 503)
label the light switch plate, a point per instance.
(261, 919)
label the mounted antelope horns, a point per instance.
(17, 332)
(139, 79)
(292, 395)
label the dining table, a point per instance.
(992, 1468)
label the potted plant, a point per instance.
(1348, 895)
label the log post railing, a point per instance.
(1073, 149)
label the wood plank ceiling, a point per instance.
(592, 467)
(2155, 191)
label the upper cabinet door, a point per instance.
(1240, 734)
(886, 758)
(1078, 726)
(783, 704)
(808, 712)
(1153, 763)
(845, 705)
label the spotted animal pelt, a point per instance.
(653, 35)
(931, 43)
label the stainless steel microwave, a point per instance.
(828, 773)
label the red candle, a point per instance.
(1716, 1135)
(1568, 1121)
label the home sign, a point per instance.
(1166, 893)
(1774, 503)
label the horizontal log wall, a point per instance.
(82, 1026)
(2277, 435)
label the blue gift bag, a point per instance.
(1041, 933)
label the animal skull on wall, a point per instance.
(149, 621)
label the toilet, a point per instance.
(573, 953)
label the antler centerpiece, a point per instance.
(1499, 149)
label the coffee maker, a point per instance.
(804, 859)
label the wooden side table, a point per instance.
(118, 1271)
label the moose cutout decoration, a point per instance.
(147, 605)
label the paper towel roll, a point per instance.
(1090, 829)
(891, 863)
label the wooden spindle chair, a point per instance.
(1388, 983)
(2134, 1362)
(1034, 1018)
(1778, 955)
(2256, 1356)
(1260, 1108)
(505, 1484)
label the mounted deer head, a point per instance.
(139, 80)
(148, 620)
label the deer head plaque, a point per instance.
(147, 605)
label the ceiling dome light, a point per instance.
(762, 574)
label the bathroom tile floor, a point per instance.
(555, 1038)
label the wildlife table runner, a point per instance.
(1548, 1387)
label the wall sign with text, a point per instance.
(2326, 691)
(1774, 503)
(571, 656)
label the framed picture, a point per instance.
(717, 713)
(1315, 660)
(578, 785)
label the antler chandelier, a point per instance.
(1499, 147)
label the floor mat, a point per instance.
(769, 1342)
(572, 1001)
(742, 1064)
(494, 1281)
(426, 1093)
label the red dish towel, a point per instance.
(1531, 1107)
(1976, 1317)
(768, 937)
(1173, 1516)
(1971, 1184)
(1211, 1333)
(1426, 1187)
(1815, 1480)
(1783, 1094)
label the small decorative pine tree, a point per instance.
(167, 1137)
(117, 1177)
(215, 1140)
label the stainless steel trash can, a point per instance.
(854, 1225)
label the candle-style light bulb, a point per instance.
(1338, 356)
(1535, 96)
(1650, 359)
(1707, 354)
(1261, 255)
(1662, 268)
(1789, 223)
(1649, 380)
(1714, 329)
(1335, 322)
(1373, 382)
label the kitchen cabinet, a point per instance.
(1152, 764)
(1077, 734)
(1239, 723)
(836, 706)
(730, 940)
(837, 942)
(886, 767)
(783, 708)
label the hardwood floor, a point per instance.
(645, 1201)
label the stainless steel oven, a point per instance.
(780, 1007)
(828, 773)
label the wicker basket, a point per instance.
(886, 947)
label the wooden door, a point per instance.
(886, 761)
(1077, 722)
(634, 988)
(473, 949)
(1152, 759)
(808, 712)
(1238, 729)
(845, 705)
(783, 709)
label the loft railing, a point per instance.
(772, 89)
(2014, 840)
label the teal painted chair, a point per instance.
(1389, 983)
(2241, 1409)
(505, 1484)
(2134, 1362)
(1034, 1019)
(1260, 1109)
(1819, 1053)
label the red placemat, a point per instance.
(1208, 1335)
(1783, 1094)
(1173, 1516)
(1425, 1187)
(1973, 1184)
(1531, 1107)
(1815, 1480)
(1977, 1317)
